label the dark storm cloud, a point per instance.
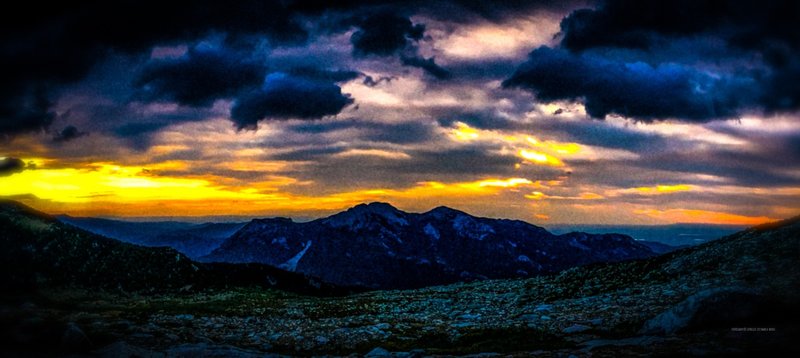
(428, 65)
(475, 161)
(67, 134)
(25, 111)
(643, 24)
(324, 75)
(763, 167)
(10, 166)
(637, 90)
(45, 45)
(463, 10)
(198, 78)
(371, 131)
(371, 82)
(284, 97)
(754, 64)
(358, 172)
(592, 133)
(600, 135)
(309, 153)
(138, 129)
(384, 33)
(387, 31)
(203, 76)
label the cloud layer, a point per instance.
(489, 107)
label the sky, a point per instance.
(553, 112)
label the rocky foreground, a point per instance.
(734, 296)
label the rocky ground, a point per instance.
(500, 317)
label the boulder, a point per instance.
(725, 307)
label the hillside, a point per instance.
(37, 251)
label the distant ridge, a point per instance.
(191, 239)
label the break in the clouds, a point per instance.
(304, 107)
(67, 134)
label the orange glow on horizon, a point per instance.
(102, 189)
(691, 216)
(169, 189)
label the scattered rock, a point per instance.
(529, 317)
(595, 321)
(378, 352)
(576, 328)
(74, 340)
(320, 340)
(383, 326)
(172, 337)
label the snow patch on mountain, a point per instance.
(291, 265)
(467, 226)
(281, 241)
(431, 231)
(574, 243)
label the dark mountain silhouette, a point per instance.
(37, 251)
(376, 245)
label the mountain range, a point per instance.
(379, 246)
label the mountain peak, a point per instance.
(361, 213)
(375, 206)
(441, 211)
